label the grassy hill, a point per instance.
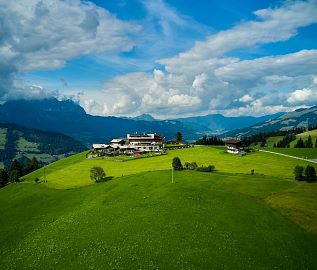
(227, 219)
(310, 153)
(304, 136)
(17, 142)
(74, 171)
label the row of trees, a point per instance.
(306, 144)
(17, 169)
(285, 142)
(177, 165)
(308, 173)
(263, 136)
(210, 141)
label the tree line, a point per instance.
(306, 144)
(305, 174)
(178, 166)
(263, 136)
(17, 169)
(285, 142)
(210, 141)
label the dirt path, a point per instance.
(309, 160)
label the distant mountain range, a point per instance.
(69, 118)
(296, 119)
(217, 123)
(214, 123)
(18, 142)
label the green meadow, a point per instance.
(304, 136)
(139, 219)
(310, 153)
(74, 171)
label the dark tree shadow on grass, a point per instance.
(105, 179)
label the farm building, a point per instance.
(146, 142)
(135, 143)
(118, 142)
(235, 146)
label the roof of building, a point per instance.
(144, 136)
(127, 147)
(233, 141)
(117, 140)
(101, 146)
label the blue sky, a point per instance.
(169, 58)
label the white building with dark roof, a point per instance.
(146, 142)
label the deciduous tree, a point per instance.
(298, 171)
(310, 172)
(97, 174)
(177, 164)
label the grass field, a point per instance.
(227, 219)
(143, 221)
(310, 153)
(74, 171)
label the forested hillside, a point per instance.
(301, 118)
(18, 142)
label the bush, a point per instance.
(13, 176)
(177, 164)
(193, 166)
(310, 172)
(209, 168)
(36, 180)
(298, 171)
(97, 174)
(3, 177)
(186, 165)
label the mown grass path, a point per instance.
(285, 155)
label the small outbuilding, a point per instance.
(235, 146)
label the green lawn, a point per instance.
(74, 171)
(142, 221)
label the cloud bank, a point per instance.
(207, 79)
(43, 35)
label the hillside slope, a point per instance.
(296, 119)
(18, 142)
(74, 171)
(143, 221)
